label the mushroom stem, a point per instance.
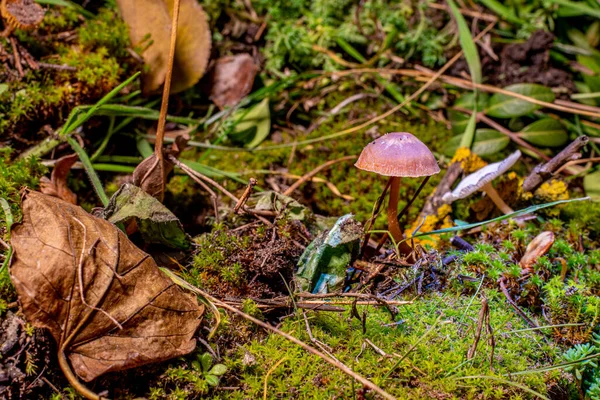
(495, 197)
(392, 215)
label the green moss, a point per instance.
(430, 370)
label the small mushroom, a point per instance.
(397, 155)
(20, 14)
(481, 180)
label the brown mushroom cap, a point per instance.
(22, 14)
(398, 154)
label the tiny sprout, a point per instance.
(212, 374)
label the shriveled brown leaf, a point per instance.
(147, 175)
(537, 248)
(57, 184)
(149, 18)
(192, 51)
(152, 17)
(105, 301)
(231, 79)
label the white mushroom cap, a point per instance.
(480, 178)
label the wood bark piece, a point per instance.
(104, 300)
(543, 172)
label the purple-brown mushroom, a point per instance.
(397, 155)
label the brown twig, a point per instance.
(545, 171)
(314, 172)
(502, 283)
(17, 56)
(162, 118)
(513, 136)
(434, 201)
(480, 321)
(244, 198)
(337, 364)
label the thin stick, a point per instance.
(315, 171)
(251, 183)
(162, 119)
(273, 368)
(285, 335)
(575, 162)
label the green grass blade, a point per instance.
(467, 138)
(524, 211)
(466, 42)
(8, 216)
(553, 367)
(580, 7)
(502, 11)
(87, 165)
(69, 4)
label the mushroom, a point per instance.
(397, 155)
(20, 14)
(481, 180)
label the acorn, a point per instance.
(21, 14)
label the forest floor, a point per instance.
(264, 217)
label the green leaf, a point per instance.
(591, 185)
(505, 106)
(502, 11)
(218, 369)
(322, 266)
(466, 139)
(546, 132)
(466, 42)
(459, 120)
(206, 361)
(8, 215)
(524, 211)
(155, 222)
(253, 125)
(487, 141)
(579, 6)
(212, 380)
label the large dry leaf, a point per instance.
(104, 300)
(152, 18)
(150, 28)
(192, 51)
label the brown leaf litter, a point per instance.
(104, 300)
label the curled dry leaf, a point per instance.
(537, 248)
(148, 175)
(149, 24)
(57, 184)
(231, 79)
(105, 301)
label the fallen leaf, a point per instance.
(104, 301)
(155, 222)
(252, 125)
(192, 51)
(57, 184)
(149, 24)
(537, 248)
(148, 176)
(231, 79)
(322, 266)
(150, 28)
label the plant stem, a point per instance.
(392, 215)
(495, 197)
(87, 165)
(162, 119)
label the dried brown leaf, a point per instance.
(149, 18)
(537, 248)
(231, 79)
(57, 184)
(192, 51)
(105, 301)
(152, 17)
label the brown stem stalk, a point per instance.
(392, 216)
(162, 119)
(495, 197)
